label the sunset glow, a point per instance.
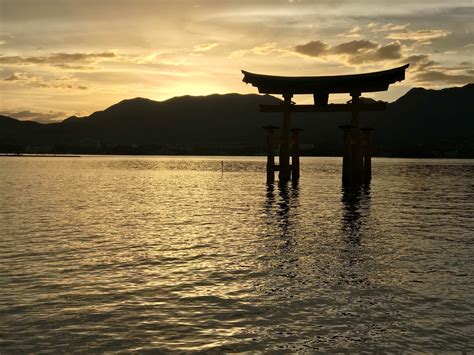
(59, 58)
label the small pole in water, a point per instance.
(222, 168)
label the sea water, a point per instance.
(172, 253)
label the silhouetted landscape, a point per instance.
(422, 123)
(286, 176)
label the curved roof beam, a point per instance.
(337, 84)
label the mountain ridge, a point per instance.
(423, 122)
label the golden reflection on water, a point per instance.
(165, 254)
(355, 214)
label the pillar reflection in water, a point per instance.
(355, 207)
(288, 193)
(280, 207)
(355, 204)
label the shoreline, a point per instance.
(40, 155)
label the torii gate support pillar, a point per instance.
(357, 161)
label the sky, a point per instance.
(72, 57)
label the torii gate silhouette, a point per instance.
(357, 151)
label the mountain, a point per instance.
(440, 121)
(420, 123)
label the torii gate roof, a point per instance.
(355, 83)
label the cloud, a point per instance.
(418, 36)
(427, 72)
(80, 57)
(354, 47)
(423, 70)
(16, 77)
(354, 32)
(419, 62)
(313, 49)
(375, 27)
(466, 65)
(353, 52)
(25, 79)
(430, 77)
(390, 51)
(378, 54)
(60, 60)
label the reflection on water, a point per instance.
(355, 207)
(287, 198)
(105, 254)
(355, 213)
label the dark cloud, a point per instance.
(389, 52)
(313, 48)
(428, 72)
(354, 47)
(419, 62)
(423, 70)
(80, 57)
(431, 77)
(355, 52)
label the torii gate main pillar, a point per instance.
(356, 146)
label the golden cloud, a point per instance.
(387, 27)
(421, 35)
(25, 79)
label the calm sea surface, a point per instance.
(161, 254)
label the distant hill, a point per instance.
(421, 123)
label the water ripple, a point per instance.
(160, 254)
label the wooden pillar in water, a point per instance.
(285, 172)
(347, 155)
(270, 152)
(295, 153)
(357, 158)
(367, 153)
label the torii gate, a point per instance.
(357, 142)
